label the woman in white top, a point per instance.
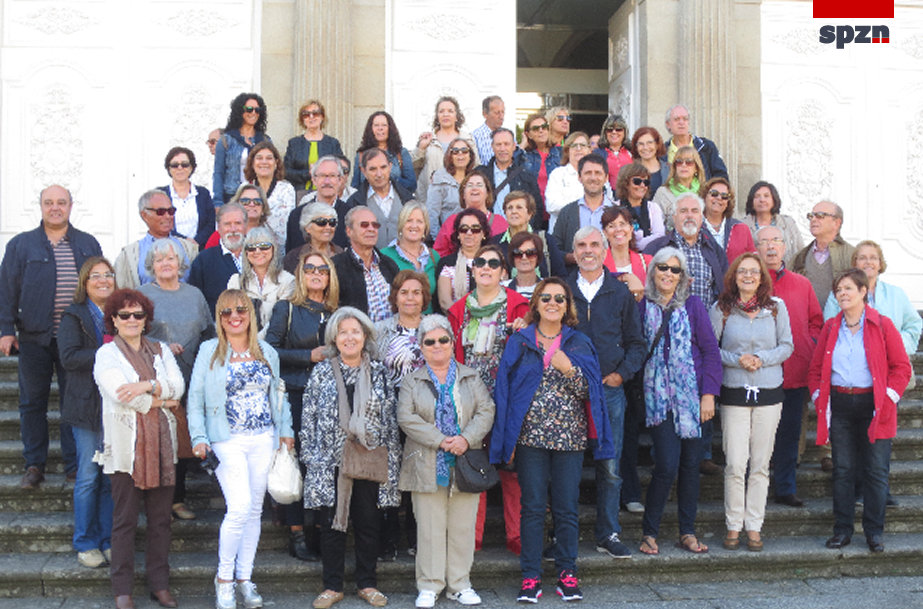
(265, 168)
(564, 183)
(262, 276)
(430, 151)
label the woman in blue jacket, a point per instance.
(246, 127)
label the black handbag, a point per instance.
(473, 471)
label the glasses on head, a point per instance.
(442, 340)
(542, 127)
(264, 246)
(749, 272)
(773, 241)
(249, 109)
(185, 164)
(241, 310)
(562, 117)
(460, 150)
(558, 298)
(211, 142)
(639, 181)
(820, 215)
(364, 224)
(689, 162)
(250, 202)
(724, 196)
(322, 222)
(579, 146)
(518, 253)
(307, 113)
(316, 269)
(480, 262)
(161, 211)
(98, 276)
(124, 315)
(676, 270)
(615, 129)
(474, 229)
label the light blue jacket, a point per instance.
(208, 420)
(226, 175)
(892, 302)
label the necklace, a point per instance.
(858, 321)
(244, 355)
(539, 330)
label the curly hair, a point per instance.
(459, 117)
(177, 150)
(731, 293)
(126, 298)
(250, 172)
(395, 145)
(236, 117)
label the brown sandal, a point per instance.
(731, 543)
(689, 543)
(650, 543)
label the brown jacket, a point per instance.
(840, 256)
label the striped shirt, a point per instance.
(65, 278)
(484, 142)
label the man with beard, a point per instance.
(213, 267)
(588, 210)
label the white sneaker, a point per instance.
(224, 595)
(635, 507)
(93, 559)
(466, 597)
(426, 599)
(248, 595)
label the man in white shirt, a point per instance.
(384, 197)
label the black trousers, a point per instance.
(363, 510)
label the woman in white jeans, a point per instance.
(755, 338)
(238, 409)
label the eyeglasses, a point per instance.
(322, 222)
(241, 310)
(558, 298)
(820, 215)
(161, 211)
(307, 113)
(676, 270)
(639, 181)
(473, 185)
(442, 340)
(724, 196)
(363, 224)
(98, 276)
(124, 315)
(480, 262)
(543, 126)
(184, 164)
(265, 246)
(464, 229)
(684, 161)
(562, 117)
(326, 176)
(319, 269)
(517, 253)
(749, 272)
(773, 241)
(861, 259)
(579, 146)
(460, 150)
(211, 142)
(248, 202)
(616, 129)
(249, 109)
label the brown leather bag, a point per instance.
(359, 462)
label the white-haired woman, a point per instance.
(262, 276)
(318, 224)
(348, 398)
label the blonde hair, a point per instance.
(331, 293)
(230, 299)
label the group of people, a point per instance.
(534, 302)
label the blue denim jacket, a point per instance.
(226, 177)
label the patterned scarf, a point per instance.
(669, 382)
(750, 306)
(481, 330)
(446, 419)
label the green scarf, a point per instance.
(476, 313)
(678, 189)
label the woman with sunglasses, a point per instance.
(633, 190)
(195, 212)
(264, 167)
(140, 385)
(764, 209)
(296, 332)
(445, 409)
(318, 224)
(381, 132)
(541, 156)
(524, 254)
(564, 182)
(454, 271)
(559, 119)
(410, 251)
(755, 337)
(429, 154)
(613, 146)
(647, 148)
(253, 199)
(442, 198)
(550, 409)
(474, 192)
(304, 150)
(482, 321)
(246, 127)
(679, 383)
(733, 235)
(261, 275)
(238, 409)
(686, 174)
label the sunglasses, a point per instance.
(241, 310)
(322, 222)
(481, 262)
(460, 150)
(543, 126)
(248, 202)
(211, 142)
(184, 164)
(639, 181)
(307, 113)
(442, 340)
(558, 298)
(676, 270)
(820, 215)
(320, 269)
(517, 253)
(124, 315)
(249, 109)
(562, 117)
(464, 229)
(161, 211)
(616, 129)
(263, 246)
(366, 223)
(724, 196)
(684, 162)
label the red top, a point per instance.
(443, 244)
(616, 161)
(806, 319)
(516, 306)
(639, 264)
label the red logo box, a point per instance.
(854, 9)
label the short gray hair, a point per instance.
(228, 208)
(689, 195)
(326, 159)
(148, 196)
(585, 232)
(260, 234)
(315, 210)
(433, 322)
(652, 293)
(674, 107)
(353, 211)
(333, 328)
(163, 247)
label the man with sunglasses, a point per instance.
(157, 210)
(328, 175)
(38, 278)
(505, 176)
(677, 122)
(365, 275)
(384, 196)
(829, 254)
(214, 266)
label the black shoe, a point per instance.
(876, 545)
(32, 478)
(298, 546)
(891, 501)
(387, 555)
(568, 588)
(840, 540)
(531, 590)
(790, 500)
(613, 546)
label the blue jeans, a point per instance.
(608, 480)
(92, 497)
(708, 433)
(785, 453)
(539, 471)
(673, 455)
(37, 365)
(628, 467)
(853, 455)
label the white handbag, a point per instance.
(285, 481)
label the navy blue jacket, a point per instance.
(210, 273)
(614, 325)
(206, 209)
(520, 179)
(28, 278)
(518, 378)
(712, 252)
(711, 158)
(81, 403)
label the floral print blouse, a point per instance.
(248, 406)
(557, 418)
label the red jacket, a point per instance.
(806, 319)
(739, 241)
(516, 306)
(887, 361)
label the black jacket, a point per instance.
(206, 209)
(294, 236)
(27, 282)
(295, 340)
(77, 345)
(210, 273)
(711, 158)
(520, 178)
(712, 252)
(351, 277)
(297, 169)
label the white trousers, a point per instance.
(243, 475)
(748, 437)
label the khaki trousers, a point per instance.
(445, 539)
(748, 436)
